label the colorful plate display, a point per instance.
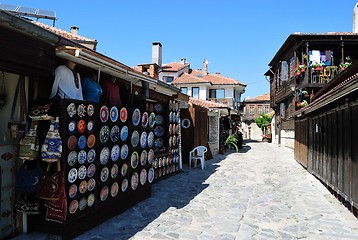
(82, 142)
(73, 206)
(124, 151)
(90, 126)
(72, 191)
(91, 170)
(159, 142)
(82, 157)
(158, 108)
(124, 185)
(72, 142)
(72, 126)
(104, 134)
(82, 204)
(124, 169)
(104, 193)
(151, 139)
(134, 160)
(114, 133)
(150, 175)
(90, 110)
(83, 187)
(135, 138)
(136, 117)
(81, 110)
(90, 200)
(115, 153)
(150, 156)
(72, 175)
(72, 158)
(152, 119)
(134, 180)
(159, 131)
(91, 155)
(91, 141)
(104, 174)
(123, 114)
(113, 114)
(71, 110)
(143, 176)
(81, 126)
(145, 120)
(104, 155)
(159, 119)
(114, 189)
(82, 172)
(114, 171)
(143, 157)
(91, 184)
(104, 113)
(143, 140)
(124, 133)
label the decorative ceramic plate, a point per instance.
(156, 162)
(104, 155)
(143, 157)
(160, 162)
(113, 114)
(145, 120)
(170, 129)
(151, 139)
(104, 193)
(73, 206)
(158, 108)
(159, 119)
(168, 161)
(177, 129)
(104, 113)
(152, 119)
(91, 170)
(124, 133)
(114, 171)
(143, 176)
(83, 186)
(136, 117)
(124, 169)
(72, 126)
(135, 138)
(72, 175)
(150, 156)
(91, 155)
(82, 172)
(123, 114)
(134, 180)
(104, 134)
(159, 131)
(174, 140)
(81, 126)
(91, 140)
(164, 161)
(178, 117)
(124, 151)
(170, 141)
(159, 142)
(72, 158)
(72, 142)
(72, 191)
(82, 204)
(164, 171)
(90, 126)
(71, 109)
(82, 142)
(115, 152)
(160, 172)
(81, 110)
(90, 200)
(150, 175)
(124, 185)
(143, 140)
(91, 184)
(114, 189)
(171, 116)
(134, 160)
(114, 133)
(82, 157)
(90, 110)
(104, 174)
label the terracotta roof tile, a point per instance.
(261, 98)
(189, 78)
(174, 66)
(206, 104)
(63, 33)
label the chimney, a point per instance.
(217, 73)
(355, 18)
(205, 65)
(182, 61)
(157, 53)
(74, 30)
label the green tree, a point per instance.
(262, 120)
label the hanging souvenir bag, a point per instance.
(28, 205)
(27, 179)
(51, 185)
(51, 149)
(56, 210)
(29, 145)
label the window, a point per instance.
(283, 109)
(184, 90)
(259, 109)
(252, 110)
(195, 92)
(170, 79)
(284, 71)
(217, 93)
(266, 109)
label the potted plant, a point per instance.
(300, 69)
(344, 65)
(317, 66)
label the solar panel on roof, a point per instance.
(7, 7)
(27, 11)
(47, 13)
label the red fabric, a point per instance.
(111, 93)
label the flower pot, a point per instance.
(318, 68)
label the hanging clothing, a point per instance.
(91, 89)
(111, 93)
(67, 84)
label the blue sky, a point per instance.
(238, 38)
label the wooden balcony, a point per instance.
(284, 91)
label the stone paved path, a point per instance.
(259, 193)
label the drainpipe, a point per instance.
(219, 128)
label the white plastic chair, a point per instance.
(196, 154)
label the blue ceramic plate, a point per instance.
(136, 117)
(134, 160)
(124, 133)
(158, 108)
(135, 138)
(150, 175)
(152, 119)
(104, 155)
(151, 139)
(91, 155)
(82, 157)
(159, 119)
(143, 140)
(159, 131)
(145, 120)
(114, 133)
(91, 170)
(82, 142)
(124, 151)
(115, 152)
(113, 114)
(143, 158)
(150, 156)
(104, 113)
(104, 134)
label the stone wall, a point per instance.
(214, 134)
(287, 138)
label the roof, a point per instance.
(206, 104)
(197, 76)
(64, 33)
(262, 98)
(174, 66)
